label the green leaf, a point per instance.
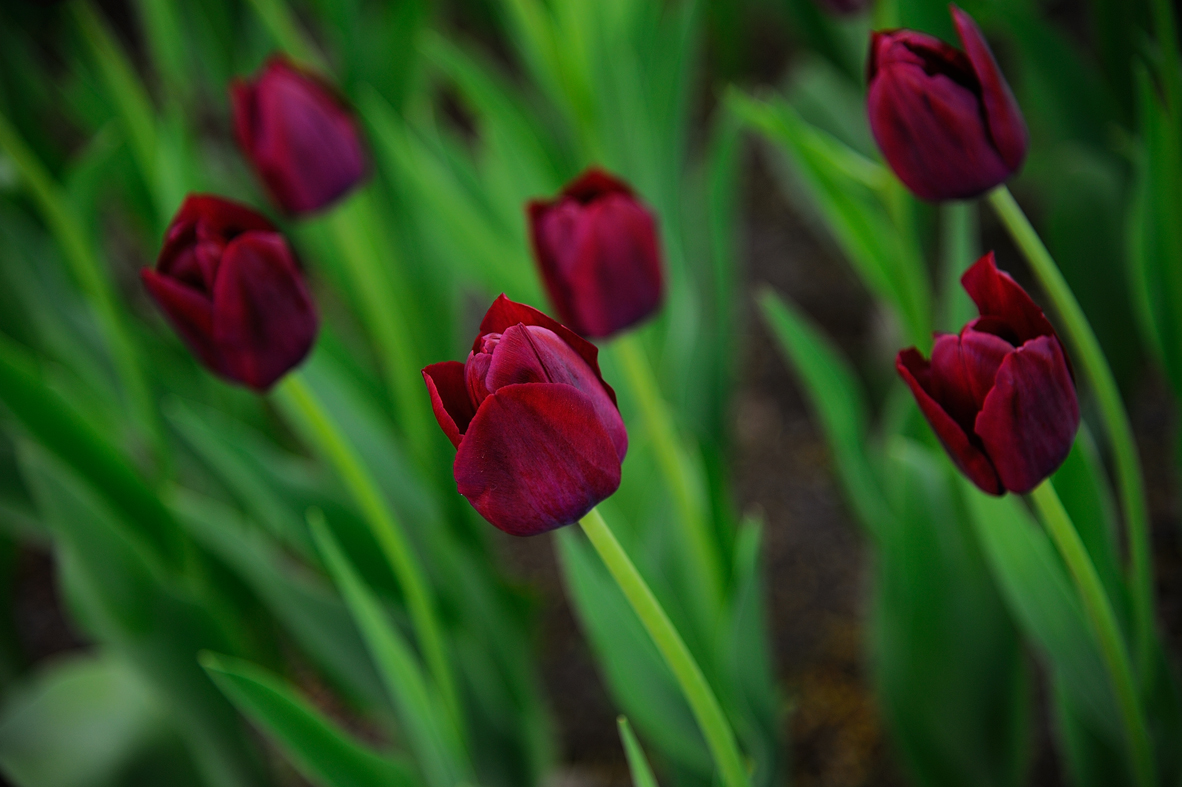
(642, 774)
(949, 665)
(633, 668)
(57, 425)
(431, 731)
(1043, 600)
(318, 748)
(305, 605)
(78, 722)
(157, 625)
(860, 201)
(836, 398)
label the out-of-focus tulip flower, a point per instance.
(229, 284)
(596, 245)
(299, 136)
(538, 436)
(1000, 396)
(843, 7)
(945, 120)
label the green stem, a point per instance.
(385, 527)
(674, 465)
(1103, 619)
(1116, 421)
(958, 250)
(369, 265)
(713, 723)
(79, 255)
(282, 26)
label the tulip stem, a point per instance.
(958, 251)
(1100, 614)
(705, 706)
(384, 525)
(1112, 411)
(675, 466)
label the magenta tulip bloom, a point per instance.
(538, 436)
(1000, 396)
(945, 120)
(229, 284)
(596, 245)
(299, 136)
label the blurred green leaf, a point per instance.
(633, 668)
(157, 626)
(318, 748)
(424, 716)
(1043, 601)
(82, 721)
(835, 395)
(859, 201)
(948, 660)
(642, 774)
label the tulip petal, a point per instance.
(998, 295)
(191, 314)
(264, 321)
(929, 129)
(1030, 418)
(449, 398)
(504, 314)
(971, 460)
(593, 184)
(1006, 124)
(532, 354)
(536, 457)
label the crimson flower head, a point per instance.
(538, 436)
(999, 395)
(299, 136)
(229, 284)
(945, 120)
(596, 245)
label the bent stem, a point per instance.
(1112, 412)
(385, 527)
(1103, 620)
(707, 711)
(671, 459)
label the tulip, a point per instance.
(229, 284)
(299, 136)
(1000, 395)
(538, 437)
(945, 120)
(596, 245)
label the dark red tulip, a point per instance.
(229, 284)
(299, 136)
(945, 120)
(538, 436)
(843, 7)
(596, 245)
(1000, 396)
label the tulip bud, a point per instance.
(228, 283)
(999, 395)
(299, 136)
(844, 7)
(945, 120)
(538, 436)
(597, 248)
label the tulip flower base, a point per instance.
(707, 711)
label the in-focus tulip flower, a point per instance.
(229, 284)
(596, 245)
(299, 136)
(1000, 395)
(945, 120)
(538, 436)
